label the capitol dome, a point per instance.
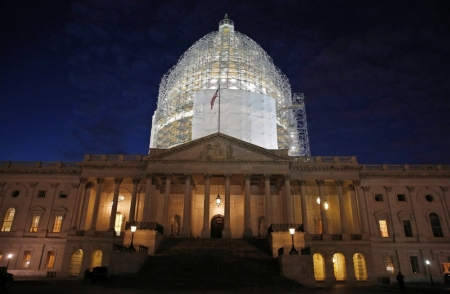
(256, 104)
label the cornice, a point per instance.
(325, 167)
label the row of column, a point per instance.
(287, 204)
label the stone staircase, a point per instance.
(213, 264)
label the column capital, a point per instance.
(365, 188)
(444, 188)
(118, 180)
(338, 182)
(356, 183)
(187, 176)
(149, 176)
(388, 188)
(287, 177)
(83, 180)
(207, 176)
(136, 181)
(302, 182)
(320, 182)
(100, 180)
(267, 176)
(168, 177)
(54, 185)
(75, 185)
(32, 185)
(247, 177)
(227, 176)
(410, 188)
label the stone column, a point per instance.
(112, 217)
(205, 231)
(323, 212)
(133, 200)
(267, 199)
(364, 225)
(148, 211)
(98, 193)
(248, 232)
(167, 205)
(227, 228)
(330, 279)
(344, 220)
(289, 203)
(350, 269)
(76, 214)
(393, 219)
(304, 206)
(445, 206)
(186, 228)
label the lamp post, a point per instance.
(7, 264)
(429, 270)
(133, 229)
(293, 250)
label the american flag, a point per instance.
(214, 98)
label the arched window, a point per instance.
(319, 267)
(7, 222)
(359, 264)
(436, 225)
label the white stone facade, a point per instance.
(262, 193)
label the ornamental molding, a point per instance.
(42, 172)
(221, 162)
(325, 167)
(214, 139)
(405, 176)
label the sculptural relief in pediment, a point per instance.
(217, 151)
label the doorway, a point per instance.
(217, 223)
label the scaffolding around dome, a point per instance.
(233, 61)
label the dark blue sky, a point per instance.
(81, 77)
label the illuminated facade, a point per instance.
(360, 222)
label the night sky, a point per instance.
(82, 77)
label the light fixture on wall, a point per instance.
(325, 205)
(318, 200)
(218, 200)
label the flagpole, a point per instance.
(219, 109)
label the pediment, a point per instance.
(217, 147)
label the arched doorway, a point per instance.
(217, 223)
(319, 267)
(75, 263)
(339, 267)
(359, 263)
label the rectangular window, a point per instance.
(63, 194)
(401, 197)
(41, 193)
(383, 228)
(414, 264)
(35, 223)
(407, 228)
(389, 265)
(378, 197)
(26, 259)
(49, 263)
(57, 224)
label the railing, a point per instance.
(99, 233)
(285, 227)
(143, 249)
(37, 164)
(80, 233)
(406, 167)
(355, 236)
(113, 157)
(336, 237)
(316, 237)
(326, 159)
(145, 226)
